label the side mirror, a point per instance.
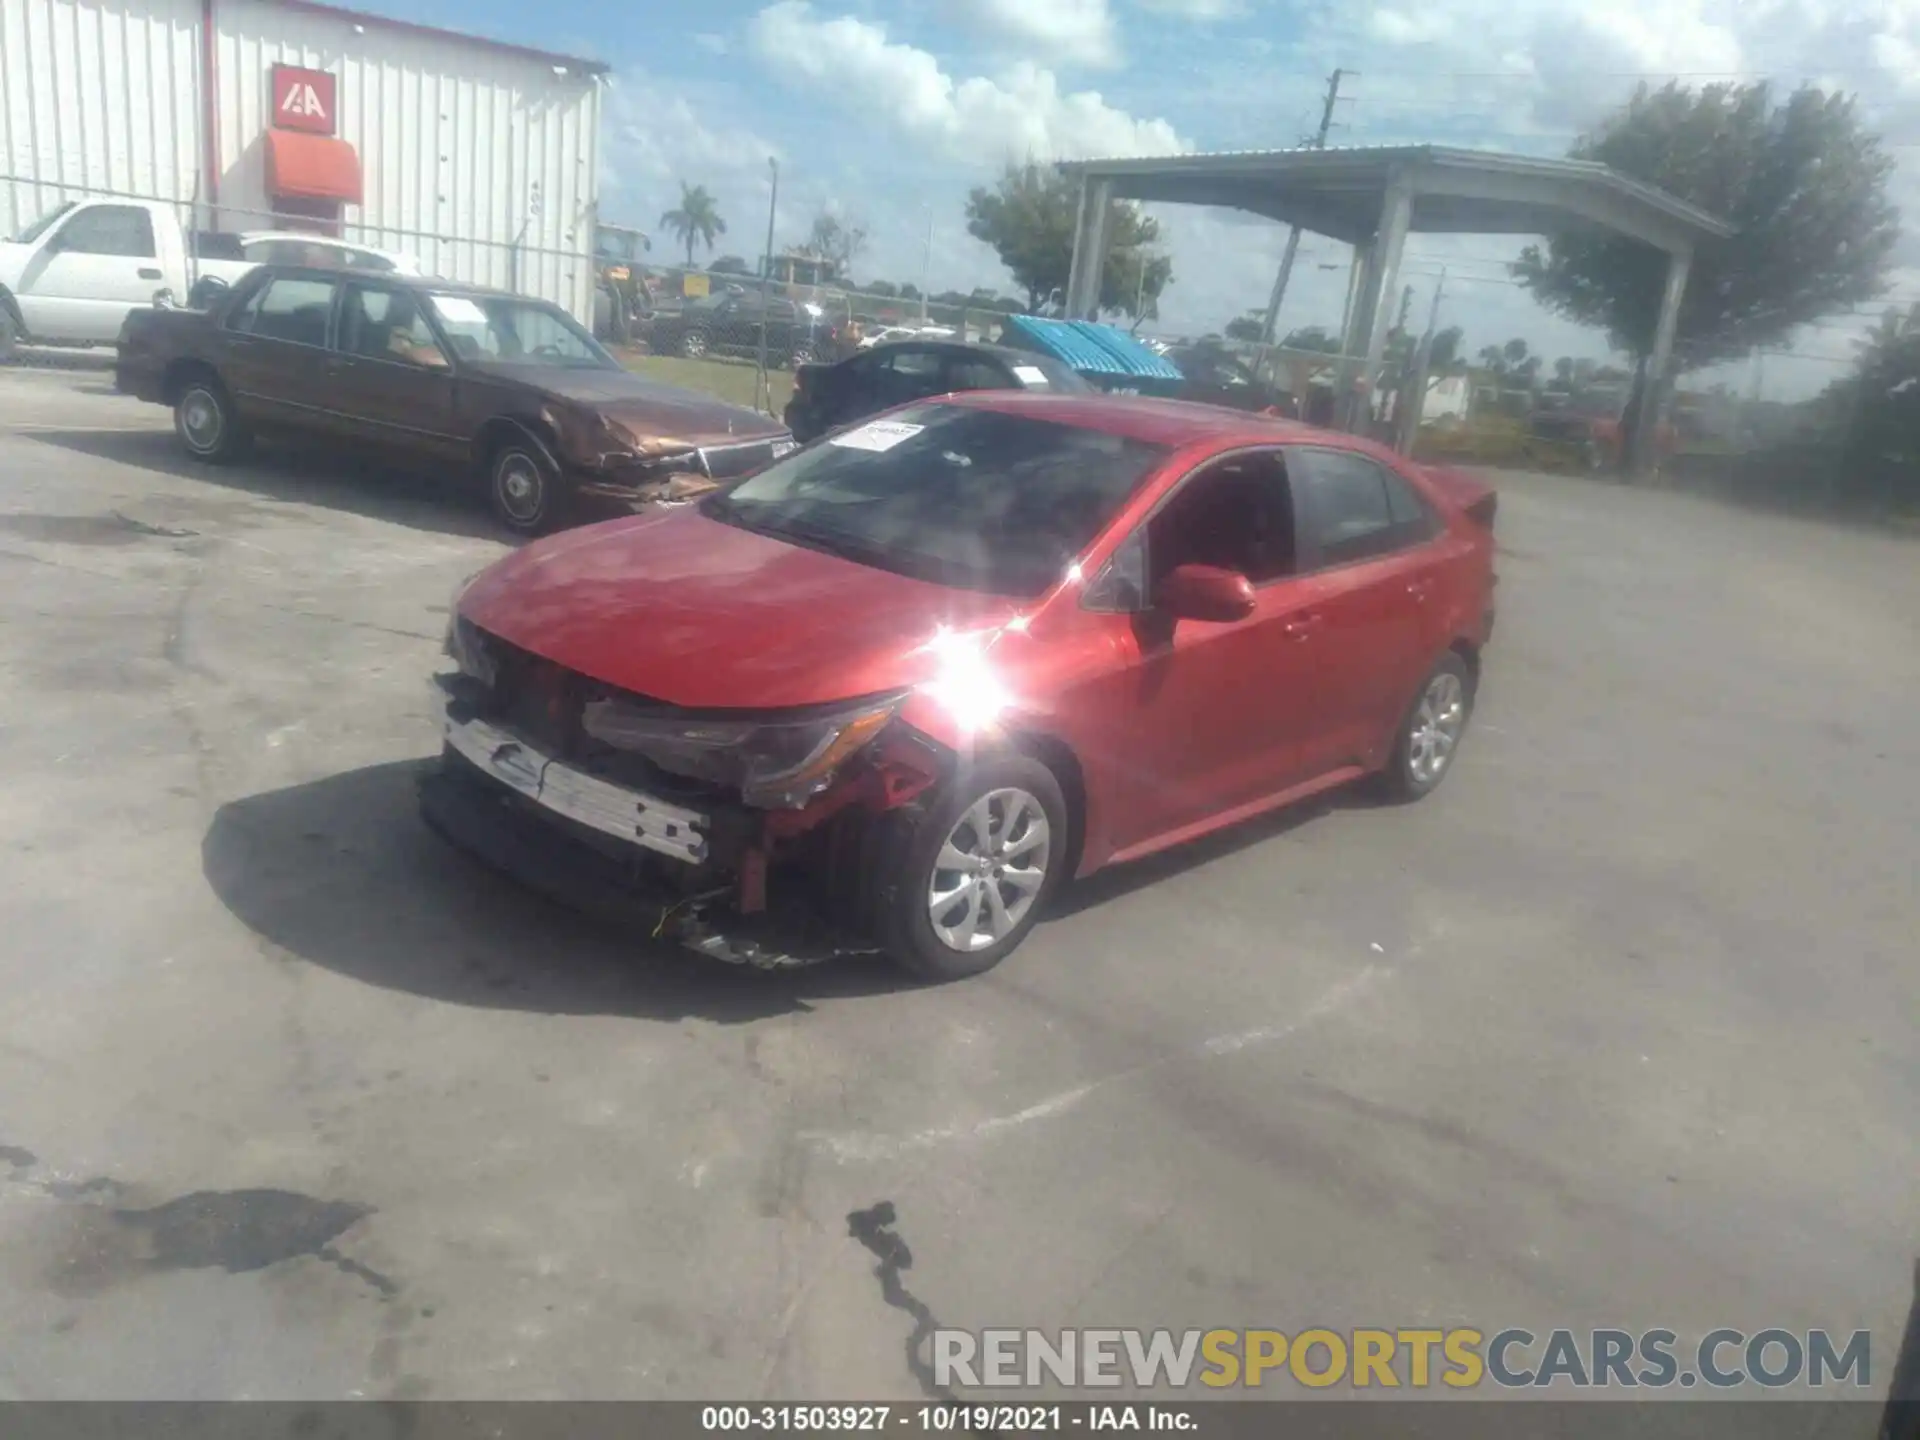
(1204, 592)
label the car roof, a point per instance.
(404, 281)
(1174, 423)
(961, 347)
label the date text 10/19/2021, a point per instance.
(950, 1419)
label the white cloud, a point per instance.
(713, 44)
(1021, 113)
(1197, 9)
(1079, 32)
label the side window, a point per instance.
(965, 373)
(387, 325)
(1235, 514)
(295, 309)
(109, 230)
(1412, 516)
(247, 311)
(1348, 509)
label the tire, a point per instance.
(693, 344)
(802, 355)
(524, 491)
(9, 335)
(204, 419)
(1434, 725)
(956, 939)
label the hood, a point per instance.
(648, 409)
(687, 610)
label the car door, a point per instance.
(1212, 717)
(391, 378)
(100, 262)
(1371, 565)
(278, 356)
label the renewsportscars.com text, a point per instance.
(1417, 1359)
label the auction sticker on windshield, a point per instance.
(877, 435)
(1030, 375)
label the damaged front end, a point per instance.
(750, 838)
(617, 464)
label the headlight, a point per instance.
(774, 763)
(469, 651)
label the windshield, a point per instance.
(518, 332)
(973, 498)
(39, 227)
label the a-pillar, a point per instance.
(1089, 249)
(1642, 444)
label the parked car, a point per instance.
(886, 334)
(826, 397)
(730, 323)
(292, 247)
(1590, 426)
(1214, 376)
(508, 387)
(72, 276)
(895, 689)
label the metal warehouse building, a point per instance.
(479, 158)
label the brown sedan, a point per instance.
(506, 386)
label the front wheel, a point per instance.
(204, 419)
(523, 489)
(1424, 749)
(693, 344)
(9, 335)
(973, 875)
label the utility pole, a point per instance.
(1318, 142)
(762, 388)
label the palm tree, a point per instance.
(697, 218)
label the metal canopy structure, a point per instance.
(1372, 198)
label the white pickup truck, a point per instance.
(71, 276)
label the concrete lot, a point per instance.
(1617, 1029)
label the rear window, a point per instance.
(977, 499)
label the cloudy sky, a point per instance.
(886, 113)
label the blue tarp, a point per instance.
(1110, 358)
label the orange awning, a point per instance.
(312, 167)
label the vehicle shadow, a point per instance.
(343, 873)
(445, 502)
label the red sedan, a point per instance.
(896, 688)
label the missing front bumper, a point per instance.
(507, 831)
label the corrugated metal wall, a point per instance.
(455, 143)
(97, 97)
(483, 162)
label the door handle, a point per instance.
(1301, 626)
(147, 272)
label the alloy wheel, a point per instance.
(990, 870)
(1437, 723)
(519, 487)
(202, 421)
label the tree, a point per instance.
(836, 242)
(1444, 353)
(1493, 358)
(1314, 338)
(1514, 352)
(1528, 370)
(697, 217)
(1563, 373)
(729, 265)
(909, 291)
(1245, 327)
(882, 289)
(1029, 217)
(1804, 183)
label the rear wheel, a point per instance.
(693, 344)
(9, 334)
(1424, 749)
(523, 489)
(970, 879)
(204, 419)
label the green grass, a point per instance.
(732, 380)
